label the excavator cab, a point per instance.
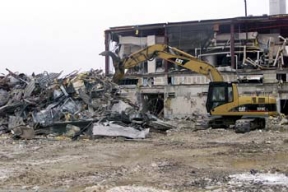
(219, 93)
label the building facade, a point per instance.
(249, 50)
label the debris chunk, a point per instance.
(114, 130)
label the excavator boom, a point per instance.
(165, 52)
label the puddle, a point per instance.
(263, 178)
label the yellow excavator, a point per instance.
(226, 107)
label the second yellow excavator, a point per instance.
(226, 107)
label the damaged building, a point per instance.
(249, 50)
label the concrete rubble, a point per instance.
(277, 123)
(123, 189)
(86, 103)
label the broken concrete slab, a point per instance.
(114, 130)
(23, 132)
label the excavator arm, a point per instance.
(165, 52)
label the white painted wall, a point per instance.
(160, 80)
(186, 101)
(270, 78)
(130, 40)
(188, 79)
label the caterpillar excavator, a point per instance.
(224, 104)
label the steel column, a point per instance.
(106, 42)
(232, 51)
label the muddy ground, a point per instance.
(181, 160)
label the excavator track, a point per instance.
(222, 122)
(248, 124)
(240, 125)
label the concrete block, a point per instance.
(140, 41)
(151, 40)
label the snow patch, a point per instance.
(263, 178)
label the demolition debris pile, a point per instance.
(78, 103)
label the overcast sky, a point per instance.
(56, 35)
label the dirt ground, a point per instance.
(181, 160)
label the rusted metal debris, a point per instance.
(47, 101)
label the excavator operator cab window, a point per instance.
(218, 96)
(230, 94)
(219, 93)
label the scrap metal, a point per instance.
(47, 101)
